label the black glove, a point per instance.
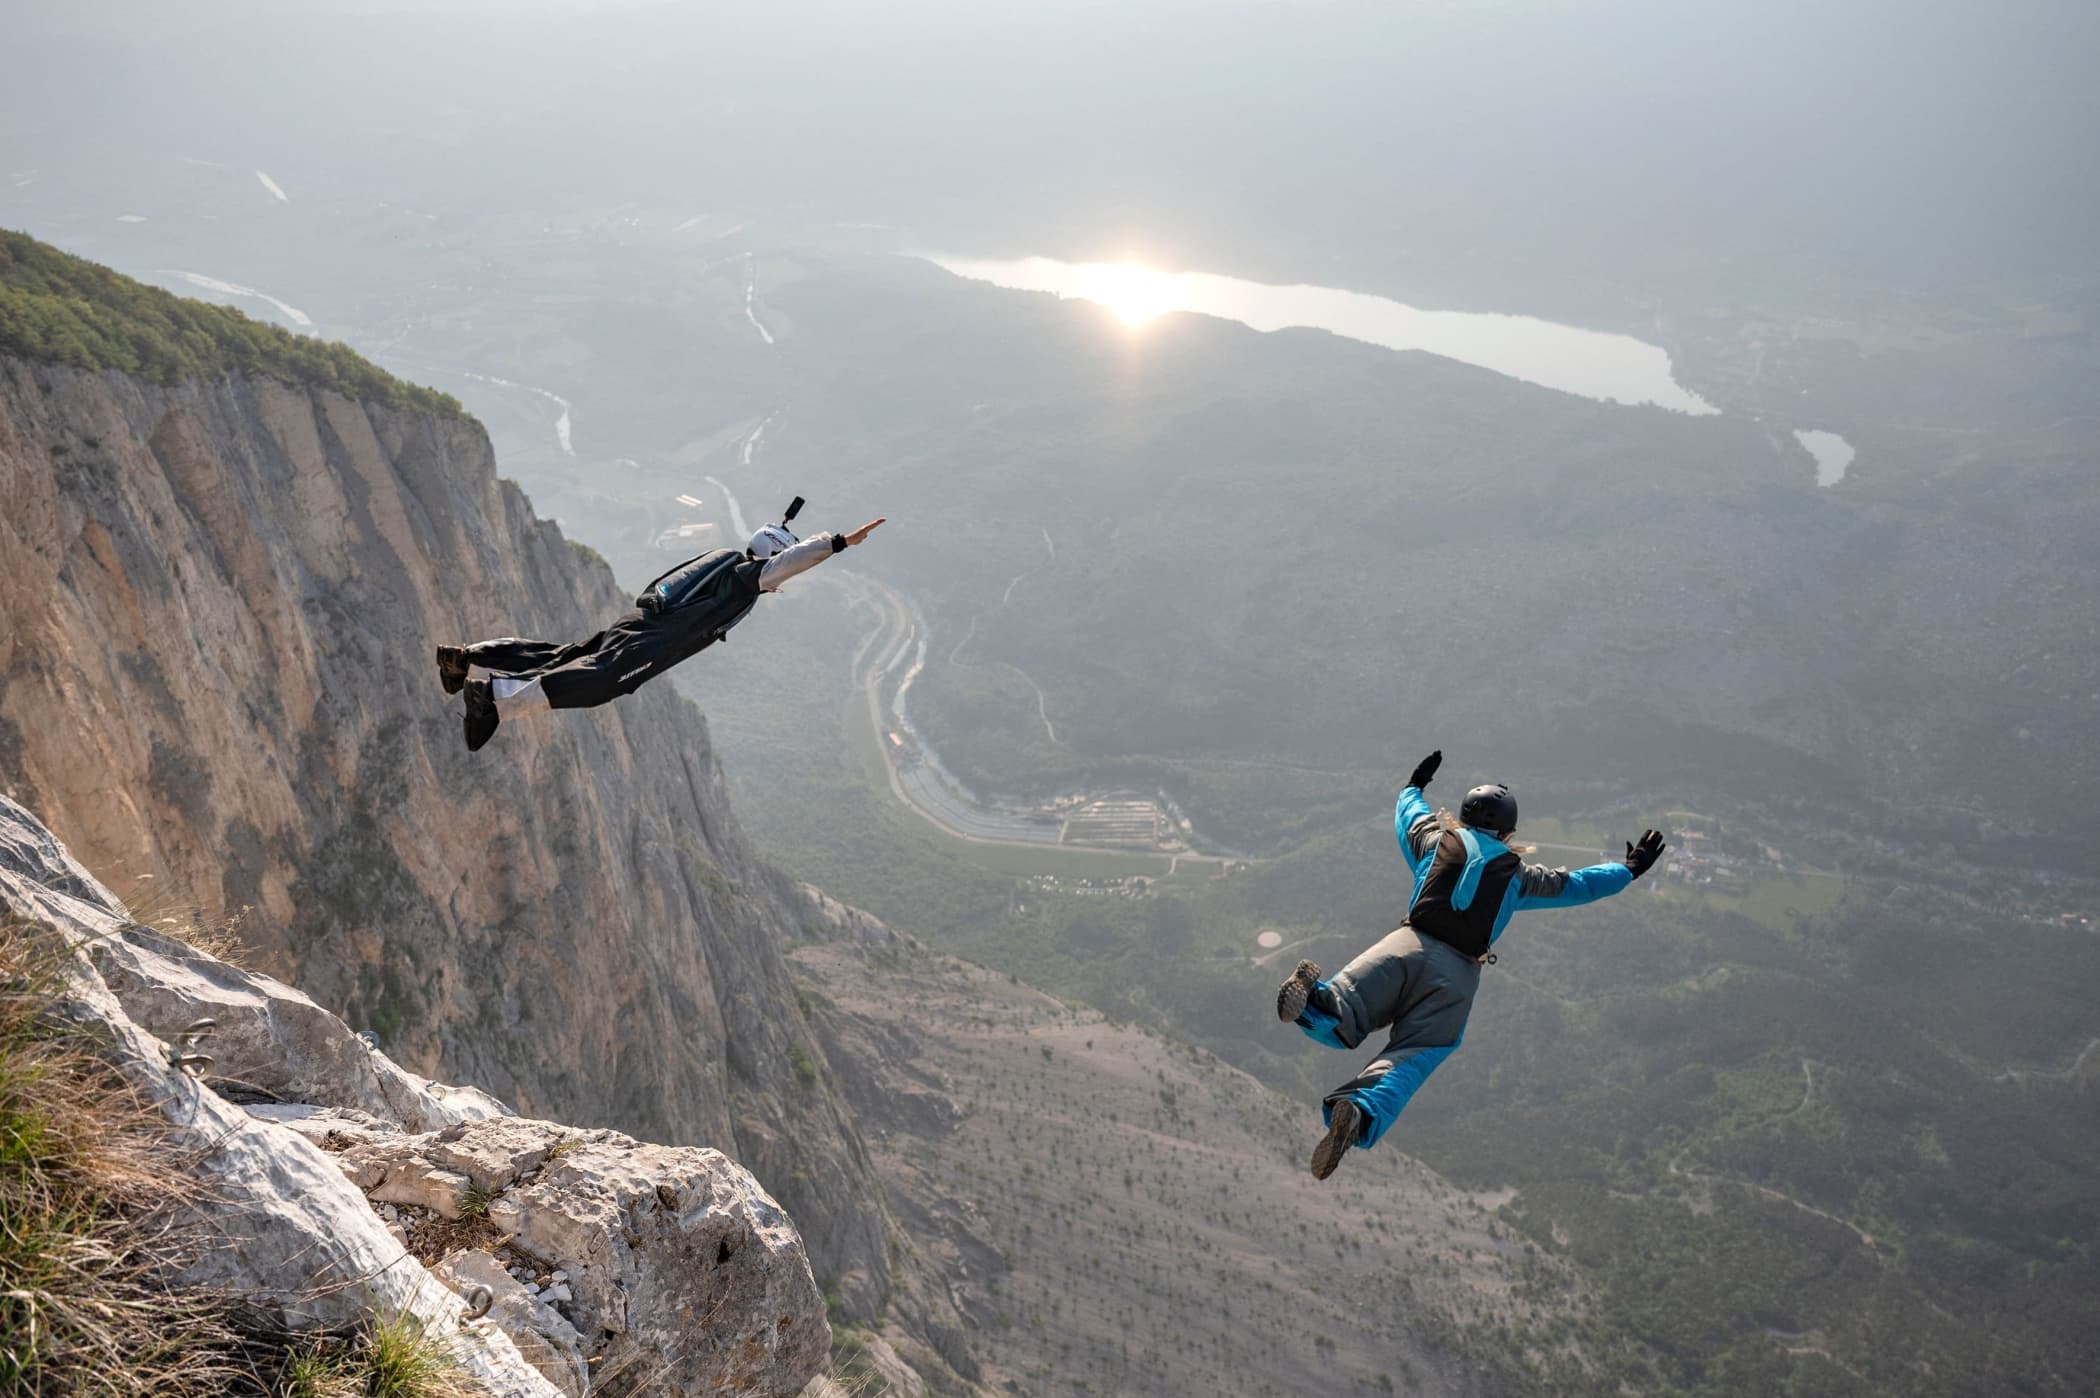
(1425, 770)
(1641, 856)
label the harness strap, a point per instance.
(1469, 880)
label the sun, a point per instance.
(1134, 294)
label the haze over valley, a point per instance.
(1685, 414)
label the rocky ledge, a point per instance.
(337, 1186)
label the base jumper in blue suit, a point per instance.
(1420, 980)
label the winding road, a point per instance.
(900, 640)
(2021, 1075)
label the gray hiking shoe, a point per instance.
(1343, 1131)
(452, 667)
(1293, 993)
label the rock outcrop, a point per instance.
(621, 1261)
(218, 602)
(270, 1040)
(558, 1261)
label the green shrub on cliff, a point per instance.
(61, 309)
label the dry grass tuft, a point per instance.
(85, 1179)
(433, 1238)
(88, 1175)
(402, 1360)
(219, 937)
(392, 1359)
(319, 1373)
(850, 1370)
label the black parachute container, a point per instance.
(710, 593)
(691, 581)
(706, 595)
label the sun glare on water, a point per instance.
(1133, 294)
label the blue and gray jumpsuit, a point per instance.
(1421, 979)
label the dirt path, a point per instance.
(2022, 1075)
(1042, 704)
(1676, 1171)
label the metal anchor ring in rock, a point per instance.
(680, 1273)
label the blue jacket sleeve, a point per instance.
(1540, 887)
(1417, 827)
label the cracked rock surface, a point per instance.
(664, 1261)
(610, 1264)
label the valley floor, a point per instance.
(1120, 1214)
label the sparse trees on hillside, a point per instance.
(60, 309)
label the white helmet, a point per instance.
(769, 541)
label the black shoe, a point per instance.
(481, 718)
(1293, 993)
(1343, 1131)
(452, 667)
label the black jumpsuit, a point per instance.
(640, 645)
(614, 662)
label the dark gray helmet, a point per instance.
(1490, 808)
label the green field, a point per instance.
(1780, 902)
(1022, 861)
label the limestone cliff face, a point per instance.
(218, 603)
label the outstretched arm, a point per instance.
(1414, 820)
(1540, 887)
(802, 557)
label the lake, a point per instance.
(1595, 364)
(1833, 454)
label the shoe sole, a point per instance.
(1292, 995)
(1342, 1133)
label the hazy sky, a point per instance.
(1942, 141)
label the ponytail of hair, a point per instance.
(1452, 822)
